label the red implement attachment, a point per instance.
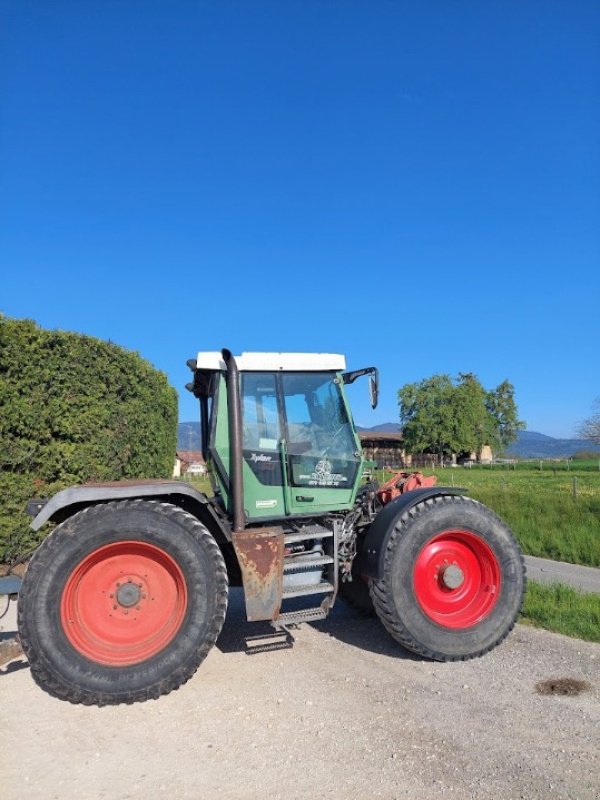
(401, 483)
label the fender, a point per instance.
(67, 502)
(374, 545)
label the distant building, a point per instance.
(387, 450)
(189, 462)
(485, 455)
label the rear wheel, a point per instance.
(122, 602)
(453, 579)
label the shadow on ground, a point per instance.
(344, 624)
(14, 666)
(10, 649)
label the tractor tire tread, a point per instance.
(381, 599)
(44, 677)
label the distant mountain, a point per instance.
(385, 427)
(188, 436)
(529, 444)
(532, 436)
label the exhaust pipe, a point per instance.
(234, 411)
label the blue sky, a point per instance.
(416, 185)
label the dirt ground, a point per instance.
(343, 713)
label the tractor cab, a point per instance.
(280, 424)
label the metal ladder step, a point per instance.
(313, 588)
(323, 533)
(294, 617)
(306, 563)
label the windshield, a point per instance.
(320, 443)
(306, 410)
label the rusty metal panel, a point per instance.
(260, 555)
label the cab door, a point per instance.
(261, 443)
(322, 454)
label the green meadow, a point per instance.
(554, 512)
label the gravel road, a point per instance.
(344, 713)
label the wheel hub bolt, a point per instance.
(128, 595)
(452, 576)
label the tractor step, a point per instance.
(312, 588)
(294, 617)
(292, 564)
(310, 532)
(309, 569)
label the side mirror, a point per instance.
(374, 390)
(350, 377)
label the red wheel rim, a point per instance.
(123, 603)
(457, 579)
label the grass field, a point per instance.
(539, 506)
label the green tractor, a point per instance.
(125, 597)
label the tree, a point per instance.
(504, 418)
(426, 415)
(590, 427)
(443, 416)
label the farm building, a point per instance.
(189, 462)
(384, 448)
(387, 450)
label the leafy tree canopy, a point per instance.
(445, 416)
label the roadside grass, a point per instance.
(199, 482)
(561, 609)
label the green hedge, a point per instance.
(74, 409)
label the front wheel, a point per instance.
(122, 602)
(453, 579)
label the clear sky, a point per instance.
(413, 184)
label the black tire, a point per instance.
(355, 593)
(190, 565)
(402, 597)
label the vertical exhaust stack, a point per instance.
(260, 552)
(204, 427)
(234, 412)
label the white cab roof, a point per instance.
(270, 362)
